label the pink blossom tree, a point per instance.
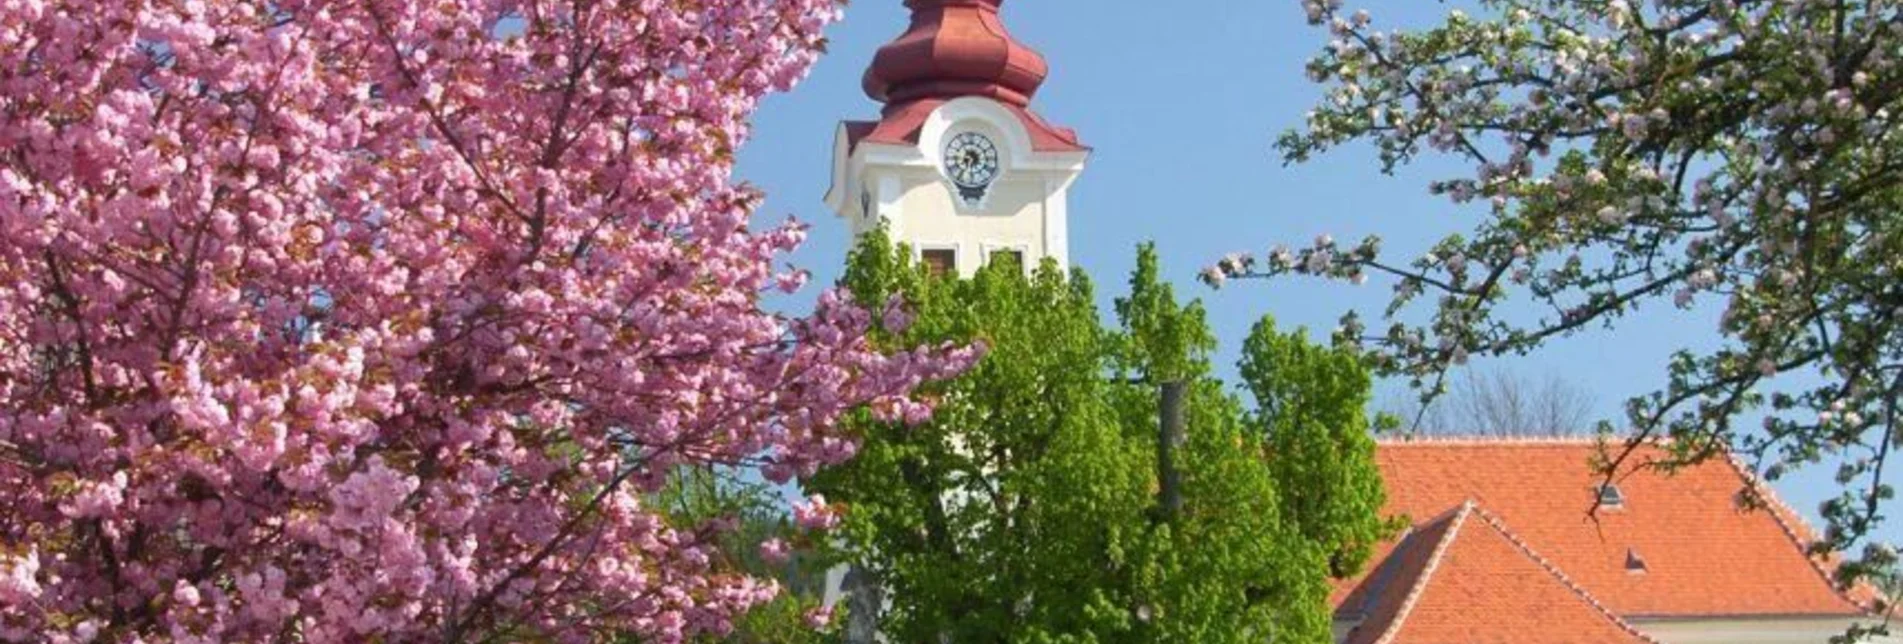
(375, 320)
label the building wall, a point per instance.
(1797, 630)
(1012, 217)
(904, 186)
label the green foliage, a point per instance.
(1025, 510)
(1161, 341)
(1233, 567)
(783, 621)
(1310, 401)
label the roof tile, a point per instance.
(1705, 553)
(1464, 577)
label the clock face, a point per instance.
(971, 160)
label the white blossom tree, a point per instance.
(1740, 153)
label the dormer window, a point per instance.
(1610, 496)
(1634, 563)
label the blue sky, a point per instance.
(1182, 102)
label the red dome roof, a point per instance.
(955, 48)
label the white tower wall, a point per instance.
(907, 187)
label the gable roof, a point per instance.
(1705, 554)
(1463, 577)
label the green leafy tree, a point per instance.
(1742, 153)
(1025, 510)
(1310, 403)
(1231, 566)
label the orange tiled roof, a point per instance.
(1463, 577)
(1704, 554)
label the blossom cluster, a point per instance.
(379, 321)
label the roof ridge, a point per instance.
(1794, 526)
(1459, 517)
(1496, 441)
(1500, 527)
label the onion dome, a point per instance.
(955, 48)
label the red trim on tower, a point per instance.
(902, 126)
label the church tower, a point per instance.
(958, 166)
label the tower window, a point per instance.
(940, 261)
(1610, 496)
(1008, 257)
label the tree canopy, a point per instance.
(1736, 156)
(1026, 509)
(1310, 408)
(376, 321)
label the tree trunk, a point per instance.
(1169, 438)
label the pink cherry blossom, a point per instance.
(775, 551)
(20, 584)
(378, 321)
(819, 617)
(815, 514)
(185, 594)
